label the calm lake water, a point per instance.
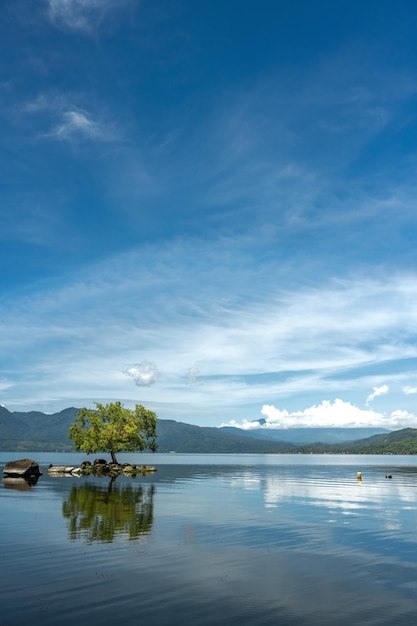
(213, 539)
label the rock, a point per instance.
(145, 469)
(61, 469)
(104, 468)
(22, 467)
(56, 469)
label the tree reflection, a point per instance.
(97, 514)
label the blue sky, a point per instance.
(209, 208)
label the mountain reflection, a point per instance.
(97, 514)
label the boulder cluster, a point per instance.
(100, 466)
(27, 469)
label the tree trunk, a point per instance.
(113, 457)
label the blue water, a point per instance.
(213, 539)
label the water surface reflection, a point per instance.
(20, 483)
(289, 543)
(100, 513)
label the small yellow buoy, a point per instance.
(359, 475)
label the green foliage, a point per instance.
(114, 428)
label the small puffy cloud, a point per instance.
(377, 391)
(409, 390)
(144, 374)
(337, 414)
(192, 373)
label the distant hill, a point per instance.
(308, 435)
(398, 442)
(36, 431)
(188, 438)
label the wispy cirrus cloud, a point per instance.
(80, 15)
(78, 124)
(259, 162)
(256, 350)
(68, 122)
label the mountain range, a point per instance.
(37, 431)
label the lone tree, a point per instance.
(113, 428)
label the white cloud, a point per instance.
(337, 414)
(409, 390)
(144, 373)
(80, 15)
(42, 102)
(79, 124)
(67, 121)
(193, 373)
(377, 391)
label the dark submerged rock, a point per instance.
(23, 468)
